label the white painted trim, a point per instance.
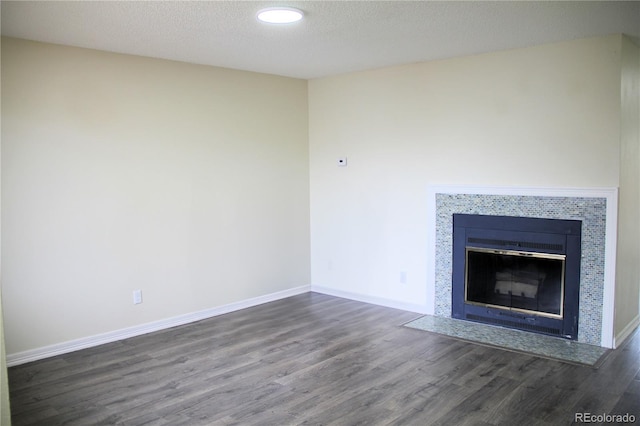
(611, 238)
(380, 301)
(626, 332)
(607, 338)
(533, 191)
(125, 333)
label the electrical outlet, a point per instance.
(342, 162)
(403, 277)
(137, 297)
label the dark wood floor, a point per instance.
(315, 359)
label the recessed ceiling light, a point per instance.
(280, 15)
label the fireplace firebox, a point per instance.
(517, 272)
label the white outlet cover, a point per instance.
(342, 162)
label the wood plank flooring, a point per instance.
(314, 359)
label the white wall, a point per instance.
(120, 173)
(5, 406)
(627, 301)
(540, 116)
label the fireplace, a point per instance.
(517, 272)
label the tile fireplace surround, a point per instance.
(595, 207)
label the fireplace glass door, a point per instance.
(525, 282)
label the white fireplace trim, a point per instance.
(611, 229)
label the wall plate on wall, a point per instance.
(342, 162)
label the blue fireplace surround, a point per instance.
(523, 235)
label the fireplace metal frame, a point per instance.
(527, 236)
(549, 256)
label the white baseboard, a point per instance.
(380, 301)
(626, 332)
(125, 333)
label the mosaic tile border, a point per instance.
(536, 344)
(590, 210)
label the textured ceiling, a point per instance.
(335, 37)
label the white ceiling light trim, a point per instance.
(280, 15)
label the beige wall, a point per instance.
(121, 172)
(5, 406)
(627, 305)
(192, 183)
(541, 116)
